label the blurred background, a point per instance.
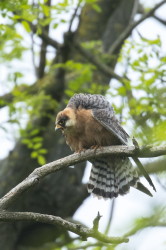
(50, 50)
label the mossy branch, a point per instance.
(79, 229)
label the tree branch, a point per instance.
(100, 65)
(156, 166)
(83, 231)
(74, 15)
(132, 26)
(160, 19)
(43, 47)
(44, 36)
(73, 159)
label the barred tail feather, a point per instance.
(111, 177)
(97, 180)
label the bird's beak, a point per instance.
(57, 126)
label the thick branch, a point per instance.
(156, 166)
(83, 231)
(130, 28)
(54, 166)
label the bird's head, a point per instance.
(65, 119)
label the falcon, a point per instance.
(89, 121)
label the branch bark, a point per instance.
(41, 172)
(80, 230)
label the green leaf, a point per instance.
(96, 7)
(34, 132)
(42, 151)
(46, 9)
(37, 145)
(163, 59)
(37, 139)
(63, 21)
(25, 141)
(41, 160)
(26, 26)
(34, 154)
(150, 81)
(55, 25)
(122, 91)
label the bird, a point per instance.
(89, 121)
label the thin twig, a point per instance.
(132, 26)
(74, 15)
(96, 222)
(160, 183)
(44, 45)
(47, 38)
(98, 244)
(160, 19)
(33, 53)
(110, 217)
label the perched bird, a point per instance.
(89, 121)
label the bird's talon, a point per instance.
(95, 147)
(81, 150)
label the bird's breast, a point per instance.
(88, 132)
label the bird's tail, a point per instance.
(113, 176)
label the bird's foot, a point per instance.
(95, 147)
(82, 150)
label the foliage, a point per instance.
(145, 60)
(80, 78)
(26, 106)
(34, 142)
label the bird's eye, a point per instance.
(61, 122)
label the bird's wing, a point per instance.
(109, 121)
(102, 111)
(88, 101)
